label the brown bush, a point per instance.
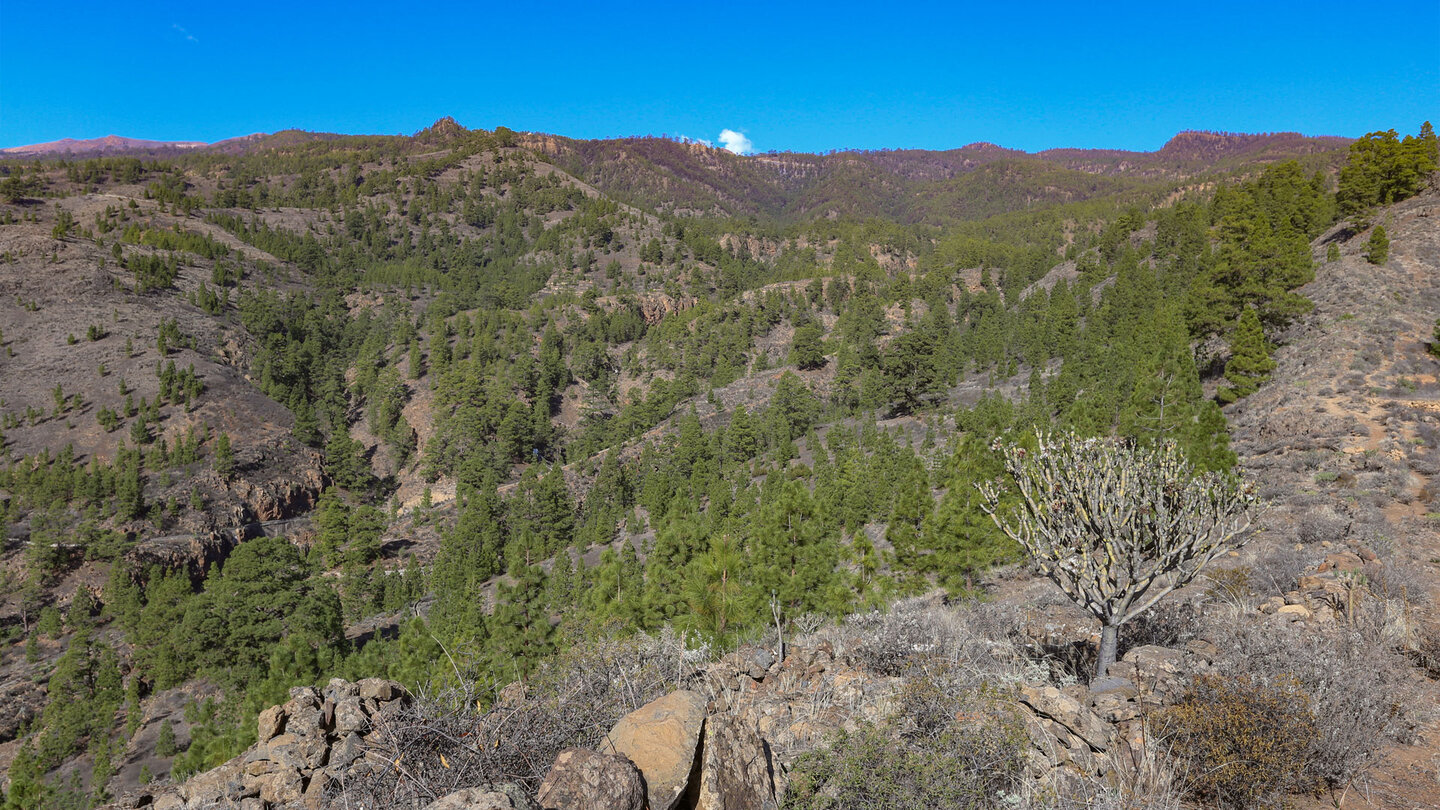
(1242, 738)
(1357, 686)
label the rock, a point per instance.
(582, 779)
(486, 797)
(1051, 704)
(1294, 613)
(347, 750)
(270, 723)
(281, 787)
(1341, 562)
(304, 721)
(380, 689)
(301, 753)
(338, 689)
(1367, 555)
(303, 696)
(660, 738)
(350, 718)
(1271, 605)
(314, 796)
(220, 785)
(1311, 582)
(735, 769)
(168, 801)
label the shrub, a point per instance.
(1243, 738)
(442, 742)
(1358, 690)
(970, 765)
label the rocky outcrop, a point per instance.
(724, 743)
(735, 767)
(301, 747)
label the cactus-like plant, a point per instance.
(1117, 525)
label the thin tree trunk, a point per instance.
(1109, 645)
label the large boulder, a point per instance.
(582, 779)
(735, 769)
(661, 738)
(486, 797)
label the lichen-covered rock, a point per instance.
(582, 779)
(486, 797)
(350, 717)
(661, 738)
(220, 785)
(379, 689)
(735, 768)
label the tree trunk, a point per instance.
(1109, 645)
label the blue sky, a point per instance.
(809, 77)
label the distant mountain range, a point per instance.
(106, 145)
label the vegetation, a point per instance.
(722, 395)
(1115, 525)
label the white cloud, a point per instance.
(184, 33)
(688, 139)
(736, 142)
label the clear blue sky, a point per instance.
(811, 78)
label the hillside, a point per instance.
(318, 406)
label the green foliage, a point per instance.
(1250, 364)
(1384, 169)
(1377, 249)
(165, 745)
(971, 765)
(807, 349)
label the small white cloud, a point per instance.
(736, 142)
(688, 139)
(185, 33)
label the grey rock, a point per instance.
(486, 797)
(735, 769)
(582, 779)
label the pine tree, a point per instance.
(712, 590)
(807, 349)
(1377, 250)
(1250, 364)
(520, 633)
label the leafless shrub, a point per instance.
(444, 740)
(1357, 690)
(1167, 624)
(1320, 525)
(972, 641)
(1397, 581)
(1426, 654)
(1280, 569)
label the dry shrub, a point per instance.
(1243, 738)
(1167, 624)
(1280, 569)
(1357, 687)
(1321, 525)
(443, 741)
(972, 643)
(1426, 653)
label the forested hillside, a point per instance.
(443, 407)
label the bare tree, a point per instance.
(1117, 525)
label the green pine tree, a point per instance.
(1250, 363)
(1377, 250)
